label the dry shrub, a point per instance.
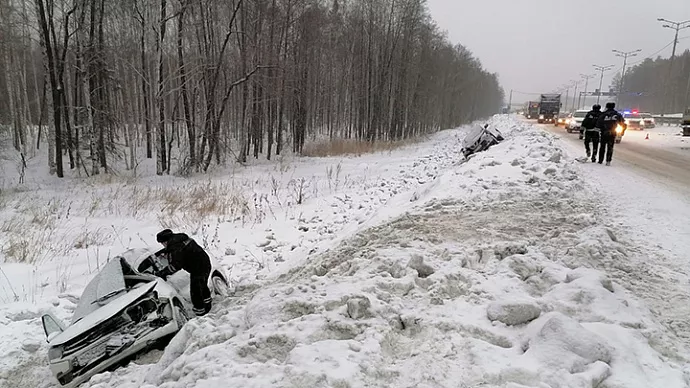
(20, 250)
(24, 243)
(192, 204)
(353, 147)
(89, 238)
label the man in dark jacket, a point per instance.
(591, 131)
(607, 123)
(184, 253)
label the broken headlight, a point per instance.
(141, 311)
(55, 352)
(165, 310)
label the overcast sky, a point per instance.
(540, 45)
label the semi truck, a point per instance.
(549, 108)
(532, 110)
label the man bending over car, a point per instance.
(184, 253)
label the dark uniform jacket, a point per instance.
(184, 253)
(609, 120)
(590, 121)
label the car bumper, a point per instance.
(64, 365)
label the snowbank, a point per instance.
(477, 271)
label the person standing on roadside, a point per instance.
(607, 123)
(592, 133)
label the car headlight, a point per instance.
(619, 129)
(55, 352)
(541, 116)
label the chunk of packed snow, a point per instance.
(563, 343)
(513, 313)
(417, 263)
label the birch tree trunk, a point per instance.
(161, 159)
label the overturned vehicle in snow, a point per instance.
(480, 139)
(125, 310)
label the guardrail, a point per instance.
(668, 120)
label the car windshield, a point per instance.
(108, 283)
(580, 114)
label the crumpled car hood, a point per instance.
(104, 313)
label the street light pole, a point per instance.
(674, 26)
(575, 94)
(567, 94)
(586, 77)
(624, 55)
(602, 69)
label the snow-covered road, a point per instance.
(664, 157)
(520, 267)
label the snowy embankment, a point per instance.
(476, 273)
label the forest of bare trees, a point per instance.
(95, 83)
(655, 86)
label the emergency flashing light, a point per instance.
(635, 112)
(627, 112)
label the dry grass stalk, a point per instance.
(339, 147)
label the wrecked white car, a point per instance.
(480, 139)
(126, 309)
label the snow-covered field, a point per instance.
(413, 268)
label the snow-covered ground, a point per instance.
(669, 137)
(412, 268)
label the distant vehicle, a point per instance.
(686, 122)
(480, 139)
(563, 119)
(575, 122)
(126, 309)
(648, 120)
(532, 110)
(549, 108)
(634, 120)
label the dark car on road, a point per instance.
(563, 119)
